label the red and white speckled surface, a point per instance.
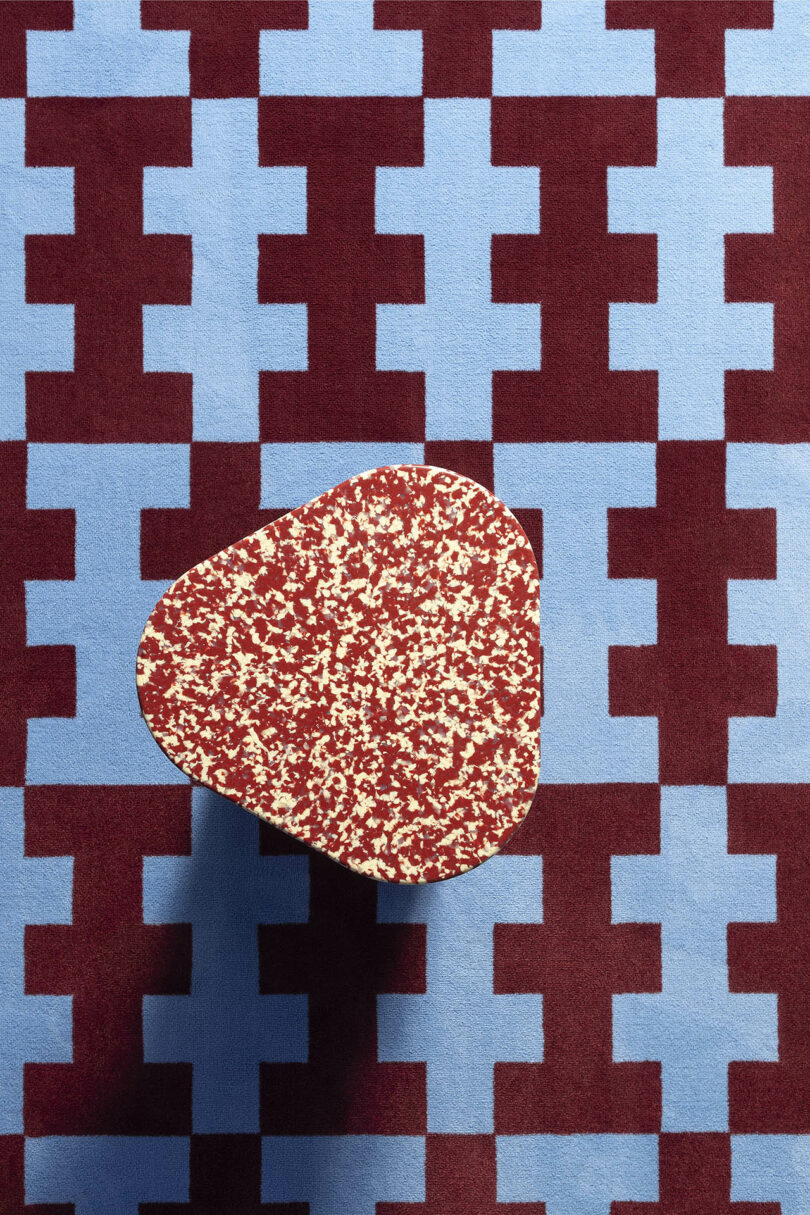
(363, 673)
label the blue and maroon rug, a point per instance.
(250, 250)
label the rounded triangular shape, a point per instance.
(364, 673)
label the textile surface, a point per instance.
(249, 250)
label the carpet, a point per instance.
(252, 249)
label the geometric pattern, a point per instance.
(249, 250)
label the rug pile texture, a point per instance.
(250, 250)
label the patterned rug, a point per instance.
(249, 250)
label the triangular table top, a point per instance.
(364, 673)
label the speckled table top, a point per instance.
(363, 673)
